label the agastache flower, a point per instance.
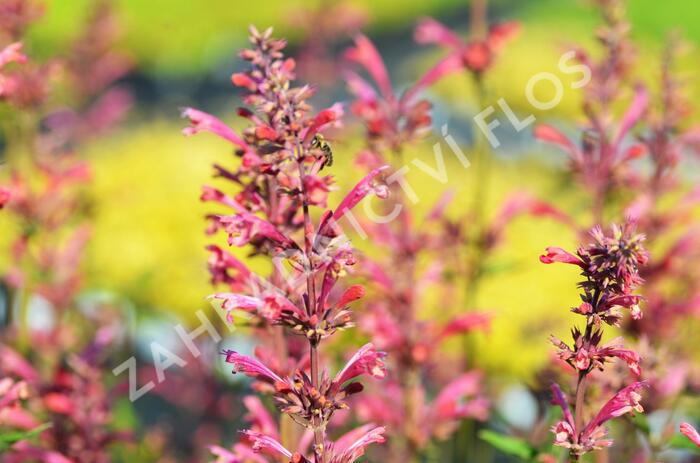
(610, 266)
(277, 182)
(476, 55)
(593, 436)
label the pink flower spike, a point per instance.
(431, 31)
(202, 121)
(12, 54)
(362, 189)
(367, 360)
(688, 431)
(365, 54)
(555, 254)
(251, 367)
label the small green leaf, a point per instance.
(508, 444)
(9, 438)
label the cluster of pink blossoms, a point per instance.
(279, 180)
(610, 267)
(607, 161)
(55, 364)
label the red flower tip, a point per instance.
(477, 56)
(501, 33)
(240, 79)
(353, 293)
(265, 132)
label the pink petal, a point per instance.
(555, 254)
(360, 87)
(559, 399)
(501, 33)
(202, 121)
(351, 294)
(259, 417)
(447, 65)
(466, 323)
(367, 360)
(357, 448)
(549, 134)
(251, 367)
(633, 114)
(431, 31)
(263, 443)
(688, 431)
(362, 189)
(365, 54)
(625, 401)
(12, 54)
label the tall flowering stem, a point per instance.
(601, 160)
(653, 128)
(398, 280)
(279, 181)
(610, 266)
(475, 56)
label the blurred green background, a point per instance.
(149, 240)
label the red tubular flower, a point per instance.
(625, 401)
(202, 121)
(555, 254)
(365, 361)
(251, 367)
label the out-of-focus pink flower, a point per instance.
(688, 431)
(5, 196)
(12, 54)
(477, 55)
